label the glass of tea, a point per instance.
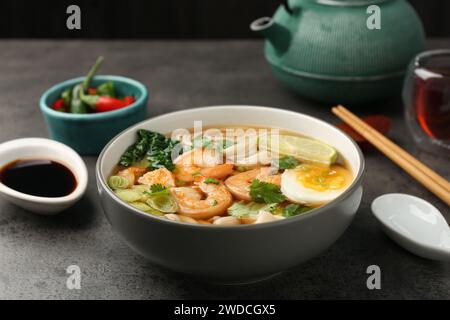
(426, 95)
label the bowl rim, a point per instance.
(81, 174)
(46, 109)
(353, 186)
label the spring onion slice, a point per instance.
(146, 208)
(163, 202)
(118, 182)
(128, 195)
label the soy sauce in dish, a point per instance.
(38, 177)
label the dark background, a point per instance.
(164, 18)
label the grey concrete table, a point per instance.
(35, 251)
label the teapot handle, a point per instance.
(285, 3)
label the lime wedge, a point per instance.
(304, 149)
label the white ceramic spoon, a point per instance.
(414, 224)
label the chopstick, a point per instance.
(419, 171)
(440, 180)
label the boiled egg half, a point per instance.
(314, 185)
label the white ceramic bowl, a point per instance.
(240, 253)
(39, 148)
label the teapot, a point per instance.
(342, 51)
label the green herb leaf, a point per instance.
(211, 180)
(154, 147)
(201, 142)
(206, 142)
(265, 192)
(241, 209)
(294, 210)
(287, 162)
(154, 188)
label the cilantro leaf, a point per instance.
(207, 142)
(265, 192)
(157, 188)
(294, 210)
(287, 162)
(201, 142)
(211, 180)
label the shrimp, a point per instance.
(192, 202)
(159, 176)
(200, 157)
(131, 174)
(239, 184)
(201, 162)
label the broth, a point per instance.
(208, 183)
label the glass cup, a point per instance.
(426, 96)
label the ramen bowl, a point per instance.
(242, 253)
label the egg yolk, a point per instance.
(323, 178)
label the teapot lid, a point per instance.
(348, 3)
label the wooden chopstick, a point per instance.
(419, 171)
(407, 156)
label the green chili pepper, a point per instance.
(91, 73)
(76, 104)
(107, 89)
(66, 95)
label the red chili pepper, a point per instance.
(129, 99)
(58, 105)
(378, 122)
(92, 91)
(104, 104)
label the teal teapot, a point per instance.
(342, 51)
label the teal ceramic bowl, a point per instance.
(89, 133)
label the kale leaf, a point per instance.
(153, 146)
